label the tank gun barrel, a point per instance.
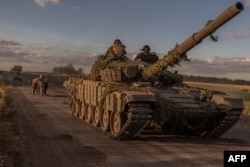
(210, 27)
(177, 54)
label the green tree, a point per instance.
(79, 71)
(69, 69)
(16, 68)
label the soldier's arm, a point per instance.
(155, 55)
(139, 56)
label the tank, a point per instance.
(131, 98)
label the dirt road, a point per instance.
(52, 138)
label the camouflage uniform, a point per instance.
(115, 53)
(146, 55)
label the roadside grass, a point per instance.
(9, 130)
(240, 91)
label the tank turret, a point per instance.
(124, 98)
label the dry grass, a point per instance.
(2, 92)
(241, 91)
(9, 130)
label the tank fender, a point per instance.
(233, 102)
(117, 100)
(132, 96)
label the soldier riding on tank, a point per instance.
(116, 52)
(146, 55)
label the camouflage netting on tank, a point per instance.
(102, 62)
(99, 64)
(169, 60)
(169, 116)
(122, 71)
(72, 85)
(110, 88)
(167, 112)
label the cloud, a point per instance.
(232, 68)
(42, 3)
(44, 57)
(42, 54)
(10, 48)
(222, 61)
(11, 53)
(8, 42)
(42, 47)
(209, 60)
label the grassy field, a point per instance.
(240, 91)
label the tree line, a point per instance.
(68, 69)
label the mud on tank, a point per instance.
(129, 98)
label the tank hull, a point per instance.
(194, 111)
(123, 111)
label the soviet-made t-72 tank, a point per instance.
(128, 98)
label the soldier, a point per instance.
(116, 52)
(46, 85)
(43, 83)
(146, 55)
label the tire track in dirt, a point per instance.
(44, 145)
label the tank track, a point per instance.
(139, 115)
(230, 118)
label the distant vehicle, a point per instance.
(17, 77)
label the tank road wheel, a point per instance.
(72, 107)
(117, 120)
(88, 113)
(82, 110)
(76, 108)
(104, 120)
(96, 117)
(72, 101)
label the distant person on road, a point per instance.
(40, 78)
(46, 85)
(146, 55)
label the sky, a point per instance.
(42, 34)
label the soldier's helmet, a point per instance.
(117, 41)
(145, 47)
